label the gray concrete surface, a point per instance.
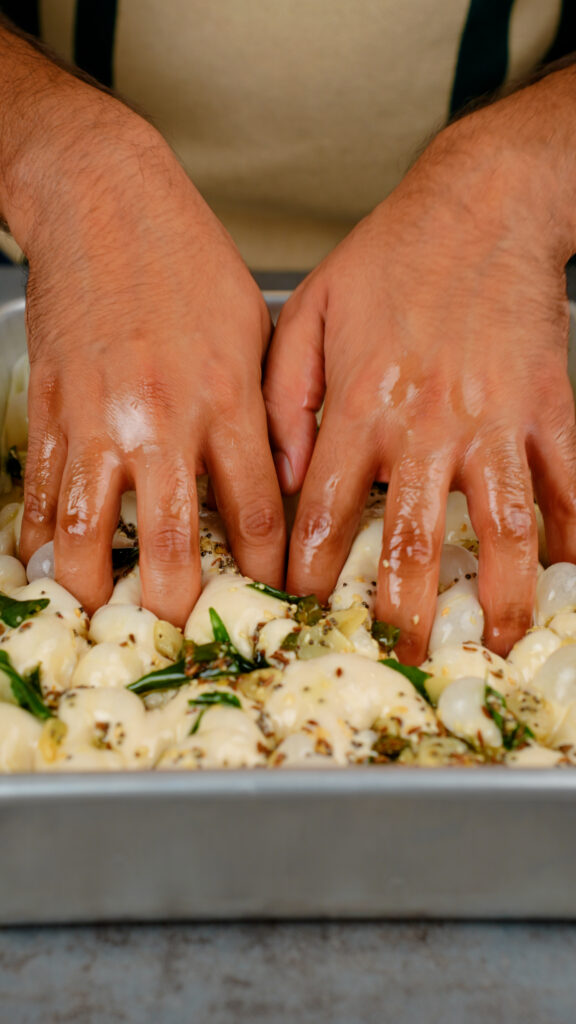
(274, 973)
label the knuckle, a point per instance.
(516, 525)
(170, 541)
(353, 400)
(412, 549)
(79, 528)
(507, 623)
(262, 521)
(227, 397)
(553, 394)
(43, 386)
(39, 506)
(154, 394)
(312, 527)
(515, 615)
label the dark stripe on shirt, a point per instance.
(94, 38)
(565, 41)
(24, 14)
(483, 55)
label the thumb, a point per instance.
(294, 387)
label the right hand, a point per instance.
(146, 335)
(435, 335)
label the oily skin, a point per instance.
(436, 335)
(146, 338)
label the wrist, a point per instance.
(78, 144)
(64, 146)
(509, 168)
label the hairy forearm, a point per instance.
(515, 159)
(55, 123)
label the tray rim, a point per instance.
(483, 782)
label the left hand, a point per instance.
(436, 334)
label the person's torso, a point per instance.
(295, 119)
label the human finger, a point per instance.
(293, 389)
(45, 461)
(88, 512)
(248, 496)
(553, 462)
(168, 534)
(332, 500)
(498, 485)
(411, 548)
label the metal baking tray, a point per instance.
(357, 843)
(349, 843)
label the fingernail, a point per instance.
(284, 471)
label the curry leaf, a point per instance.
(217, 659)
(26, 689)
(416, 675)
(281, 595)
(209, 700)
(386, 635)
(514, 733)
(290, 642)
(309, 610)
(14, 612)
(221, 634)
(495, 704)
(213, 697)
(161, 679)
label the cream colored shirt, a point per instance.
(294, 118)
